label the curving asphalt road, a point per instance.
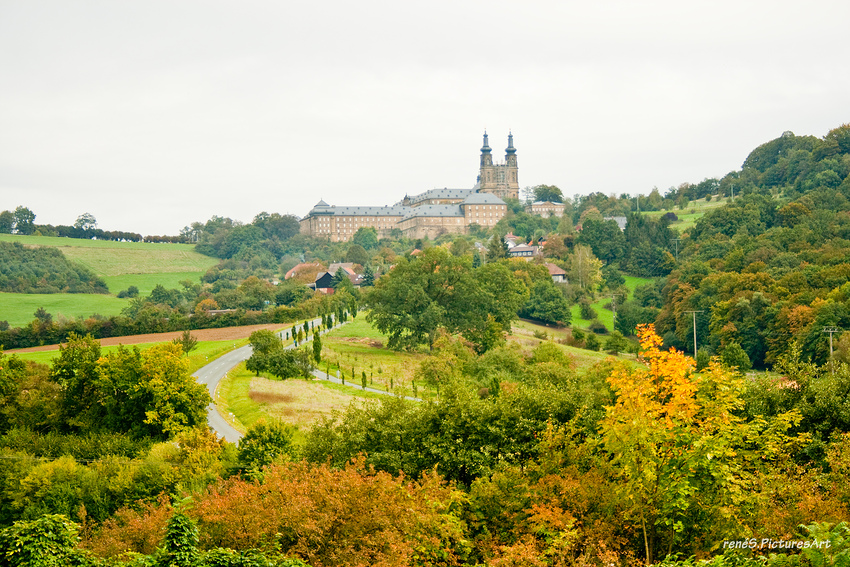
(211, 374)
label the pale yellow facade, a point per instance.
(429, 214)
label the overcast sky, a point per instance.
(153, 114)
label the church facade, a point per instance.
(429, 214)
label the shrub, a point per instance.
(616, 343)
(598, 327)
(587, 312)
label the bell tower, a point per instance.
(511, 171)
(499, 179)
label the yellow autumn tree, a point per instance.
(686, 462)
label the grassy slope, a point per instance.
(605, 315)
(689, 216)
(120, 264)
(523, 335)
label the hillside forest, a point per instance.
(525, 457)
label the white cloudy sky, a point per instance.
(153, 114)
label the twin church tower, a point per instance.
(499, 179)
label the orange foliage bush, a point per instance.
(132, 530)
(352, 516)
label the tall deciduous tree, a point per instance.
(7, 222)
(547, 304)
(436, 289)
(548, 193)
(24, 220)
(187, 341)
(684, 456)
(367, 237)
(585, 268)
(85, 221)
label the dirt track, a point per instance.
(224, 334)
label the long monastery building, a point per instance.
(429, 214)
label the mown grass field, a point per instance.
(111, 259)
(245, 399)
(120, 264)
(19, 308)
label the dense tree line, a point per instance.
(41, 269)
(22, 221)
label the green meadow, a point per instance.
(19, 308)
(606, 316)
(120, 264)
(690, 214)
(113, 259)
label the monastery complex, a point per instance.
(429, 214)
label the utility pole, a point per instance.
(614, 306)
(695, 330)
(676, 241)
(831, 331)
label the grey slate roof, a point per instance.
(394, 211)
(434, 211)
(483, 199)
(444, 193)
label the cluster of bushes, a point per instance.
(524, 460)
(44, 270)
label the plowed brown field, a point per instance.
(224, 334)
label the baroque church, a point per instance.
(429, 214)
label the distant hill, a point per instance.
(770, 268)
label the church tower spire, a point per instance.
(510, 151)
(486, 156)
